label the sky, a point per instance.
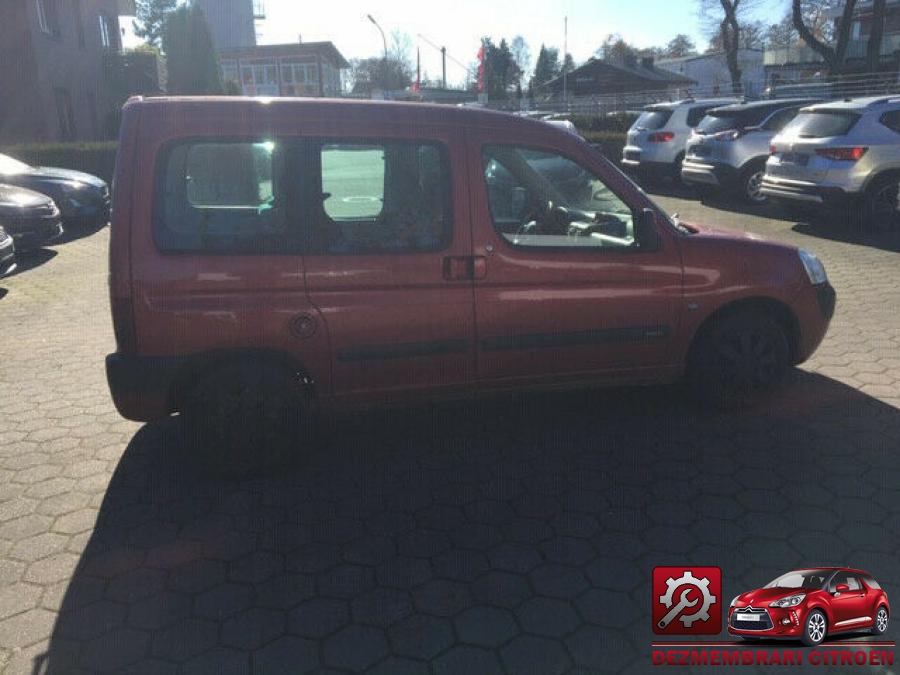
(460, 24)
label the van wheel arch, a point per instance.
(199, 367)
(774, 308)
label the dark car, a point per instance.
(810, 604)
(81, 197)
(7, 253)
(32, 219)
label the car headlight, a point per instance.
(789, 601)
(735, 600)
(815, 270)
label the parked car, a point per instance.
(7, 253)
(840, 154)
(81, 197)
(29, 217)
(730, 146)
(396, 252)
(655, 143)
(810, 604)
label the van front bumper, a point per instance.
(142, 386)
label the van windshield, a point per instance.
(653, 119)
(822, 123)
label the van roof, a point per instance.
(324, 108)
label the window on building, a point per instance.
(389, 197)
(300, 79)
(65, 115)
(48, 16)
(108, 37)
(223, 197)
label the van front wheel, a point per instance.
(245, 418)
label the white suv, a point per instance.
(842, 153)
(655, 145)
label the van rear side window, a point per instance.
(221, 197)
(391, 196)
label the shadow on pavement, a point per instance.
(504, 535)
(75, 231)
(29, 260)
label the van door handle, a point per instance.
(464, 267)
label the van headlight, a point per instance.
(815, 270)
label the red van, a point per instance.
(272, 257)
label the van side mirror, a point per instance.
(646, 231)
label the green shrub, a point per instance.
(620, 121)
(610, 143)
(97, 158)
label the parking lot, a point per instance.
(511, 535)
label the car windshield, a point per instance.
(801, 579)
(822, 123)
(653, 119)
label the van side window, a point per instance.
(221, 197)
(541, 199)
(391, 196)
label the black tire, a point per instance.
(739, 358)
(881, 621)
(246, 418)
(880, 204)
(815, 629)
(749, 183)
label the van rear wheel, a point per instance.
(880, 203)
(739, 358)
(245, 418)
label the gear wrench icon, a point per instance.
(702, 585)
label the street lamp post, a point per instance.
(384, 68)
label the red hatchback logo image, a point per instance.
(687, 601)
(809, 605)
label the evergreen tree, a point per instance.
(545, 69)
(191, 59)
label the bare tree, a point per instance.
(522, 55)
(833, 52)
(876, 36)
(723, 17)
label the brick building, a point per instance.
(54, 83)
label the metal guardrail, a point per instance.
(847, 86)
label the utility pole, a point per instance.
(384, 69)
(443, 67)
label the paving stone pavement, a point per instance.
(514, 535)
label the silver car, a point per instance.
(655, 143)
(730, 146)
(840, 154)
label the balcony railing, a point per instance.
(259, 9)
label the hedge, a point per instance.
(97, 158)
(610, 143)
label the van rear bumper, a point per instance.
(141, 386)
